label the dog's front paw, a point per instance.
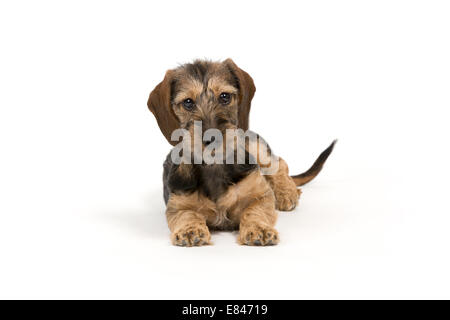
(191, 235)
(287, 199)
(258, 235)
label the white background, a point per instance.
(81, 206)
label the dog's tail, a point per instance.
(312, 172)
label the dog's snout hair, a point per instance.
(207, 111)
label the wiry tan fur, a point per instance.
(248, 205)
(283, 186)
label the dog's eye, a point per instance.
(188, 104)
(225, 98)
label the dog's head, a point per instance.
(218, 94)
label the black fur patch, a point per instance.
(174, 182)
(210, 180)
(198, 70)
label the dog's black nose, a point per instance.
(208, 142)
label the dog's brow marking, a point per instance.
(219, 85)
(188, 88)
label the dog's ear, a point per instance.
(246, 92)
(160, 105)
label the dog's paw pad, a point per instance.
(256, 235)
(257, 242)
(191, 235)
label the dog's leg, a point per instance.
(284, 188)
(257, 224)
(251, 205)
(186, 217)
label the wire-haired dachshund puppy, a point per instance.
(226, 196)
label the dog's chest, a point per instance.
(214, 181)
